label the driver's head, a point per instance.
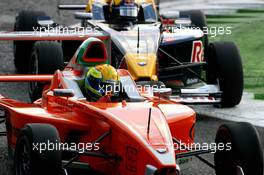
(123, 2)
(101, 80)
(124, 9)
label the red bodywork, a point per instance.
(127, 121)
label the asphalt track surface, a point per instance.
(206, 126)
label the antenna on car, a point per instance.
(159, 94)
(158, 7)
(58, 10)
(138, 38)
(149, 121)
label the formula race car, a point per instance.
(151, 46)
(136, 133)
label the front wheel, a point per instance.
(225, 68)
(244, 153)
(28, 160)
(198, 19)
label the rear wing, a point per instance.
(72, 7)
(53, 35)
(26, 78)
(71, 35)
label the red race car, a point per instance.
(141, 132)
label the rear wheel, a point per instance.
(46, 58)
(28, 159)
(25, 21)
(225, 68)
(199, 20)
(246, 152)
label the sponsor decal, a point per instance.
(142, 63)
(192, 81)
(131, 159)
(197, 52)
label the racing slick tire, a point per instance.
(198, 19)
(28, 158)
(245, 150)
(25, 21)
(46, 58)
(225, 68)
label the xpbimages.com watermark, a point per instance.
(61, 30)
(84, 147)
(212, 147)
(51, 146)
(212, 31)
(118, 88)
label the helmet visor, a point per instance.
(128, 11)
(93, 82)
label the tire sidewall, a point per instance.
(25, 21)
(246, 149)
(225, 69)
(47, 57)
(47, 162)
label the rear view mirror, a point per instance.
(162, 92)
(63, 93)
(45, 21)
(83, 15)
